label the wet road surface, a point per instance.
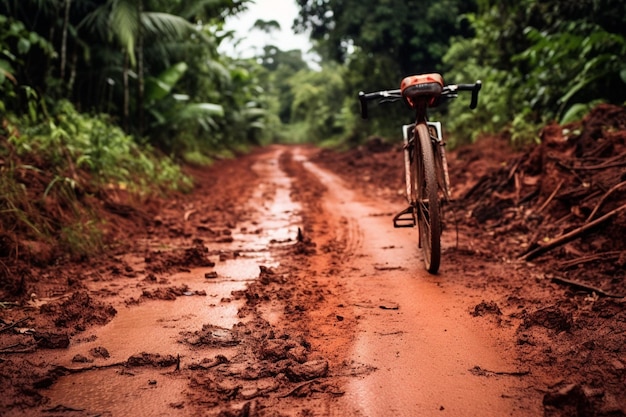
(424, 352)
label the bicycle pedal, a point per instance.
(404, 218)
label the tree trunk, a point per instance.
(66, 21)
(140, 74)
(125, 70)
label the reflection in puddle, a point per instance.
(279, 213)
(155, 326)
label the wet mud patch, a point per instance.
(264, 363)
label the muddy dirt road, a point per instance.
(414, 328)
(279, 288)
(402, 341)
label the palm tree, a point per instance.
(126, 23)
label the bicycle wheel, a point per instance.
(427, 204)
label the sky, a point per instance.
(253, 41)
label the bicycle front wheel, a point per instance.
(427, 204)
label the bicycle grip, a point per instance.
(363, 104)
(475, 90)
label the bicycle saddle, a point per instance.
(422, 85)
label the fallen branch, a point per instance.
(513, 169)
(585, 287)
(8, 349)
(601, 166)
(604, 197)
(563, 219)
(551, 197)
(609, 163)
(14, 346)
(518, 186)
(572, 235)
(299, 387)
(595, 257)
(4, 329)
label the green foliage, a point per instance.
(15, 44)
(81, 239)
(159, 87)
(380, 43)
(317, 102)
(577, 111)
(17, 209)
(539, 61)
(150, 64)
(474, 59)
(147, 78)
(267, 26)
(574, 64)
(52, 169)
(73, 141)
(414, 35)
(174, 115)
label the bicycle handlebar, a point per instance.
(386, 95)
(449, 91)
(474, 88)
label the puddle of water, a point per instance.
(280, 213)
(108, 392)
(154, 326)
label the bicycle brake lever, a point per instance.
(389, 100)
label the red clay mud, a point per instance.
(534, 256)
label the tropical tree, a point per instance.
(318, 102)
(381, 42)
(539, 61)
(104, 66)
(413, 35)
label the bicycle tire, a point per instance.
(427, 203)
(440, 171)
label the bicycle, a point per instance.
(425, 165)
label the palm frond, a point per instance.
(125, 25)
(165, 24)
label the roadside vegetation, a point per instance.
(120, 94)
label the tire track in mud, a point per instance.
(414, 329)
(339, 232)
